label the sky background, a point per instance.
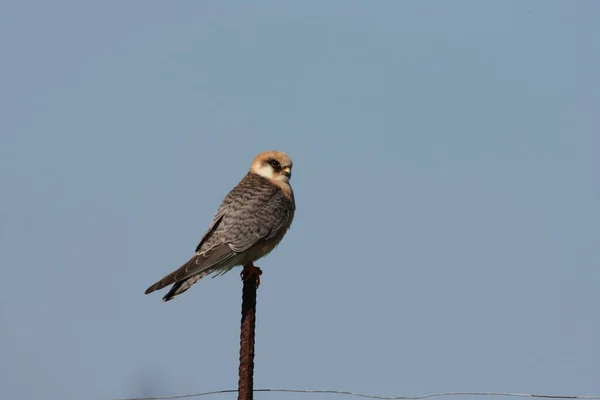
(446, 172)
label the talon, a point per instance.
(251, 271)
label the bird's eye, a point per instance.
(274, 163)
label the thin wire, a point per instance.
(368, 396)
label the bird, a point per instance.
(250, 222)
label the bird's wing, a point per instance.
(213, 227)
(254, 210)
(265, 222)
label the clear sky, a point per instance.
(446, 173)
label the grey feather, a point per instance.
(250, 221)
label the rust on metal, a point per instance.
(251, 279)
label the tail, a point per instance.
(182, 286)
(181, 279)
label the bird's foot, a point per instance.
(251, 271)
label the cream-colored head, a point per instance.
(273, 165)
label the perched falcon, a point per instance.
(250, 222)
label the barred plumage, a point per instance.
(250, 222)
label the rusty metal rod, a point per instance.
(251, 279)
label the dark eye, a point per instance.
(274, 163)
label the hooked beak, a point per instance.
(287, 171)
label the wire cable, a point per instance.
(368, 396)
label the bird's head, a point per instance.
(273, 165)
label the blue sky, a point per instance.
(446, 178)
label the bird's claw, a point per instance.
(251, 271)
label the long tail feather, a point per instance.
(181, 275)
(184, 285)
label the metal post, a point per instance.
(250, 277)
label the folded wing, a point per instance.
(253, 211)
